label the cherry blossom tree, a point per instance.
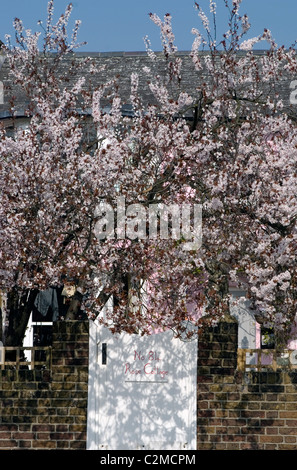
(244, 170)
(54, 182)
(241, 161)
(228, 146)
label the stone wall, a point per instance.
(240, 410)
(47, 409)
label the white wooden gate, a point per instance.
(142, 392)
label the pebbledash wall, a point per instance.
(42, 409)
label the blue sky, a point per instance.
(120, 25)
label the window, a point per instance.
(1, 93)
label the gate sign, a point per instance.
(146, 366)
(142, 391)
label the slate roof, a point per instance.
(122, 64)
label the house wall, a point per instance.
(239, 410)
(42, 409)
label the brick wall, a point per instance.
(42, 409)
(239, 411)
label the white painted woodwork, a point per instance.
(144, 397)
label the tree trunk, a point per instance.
(1, 329)
(74, 307)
